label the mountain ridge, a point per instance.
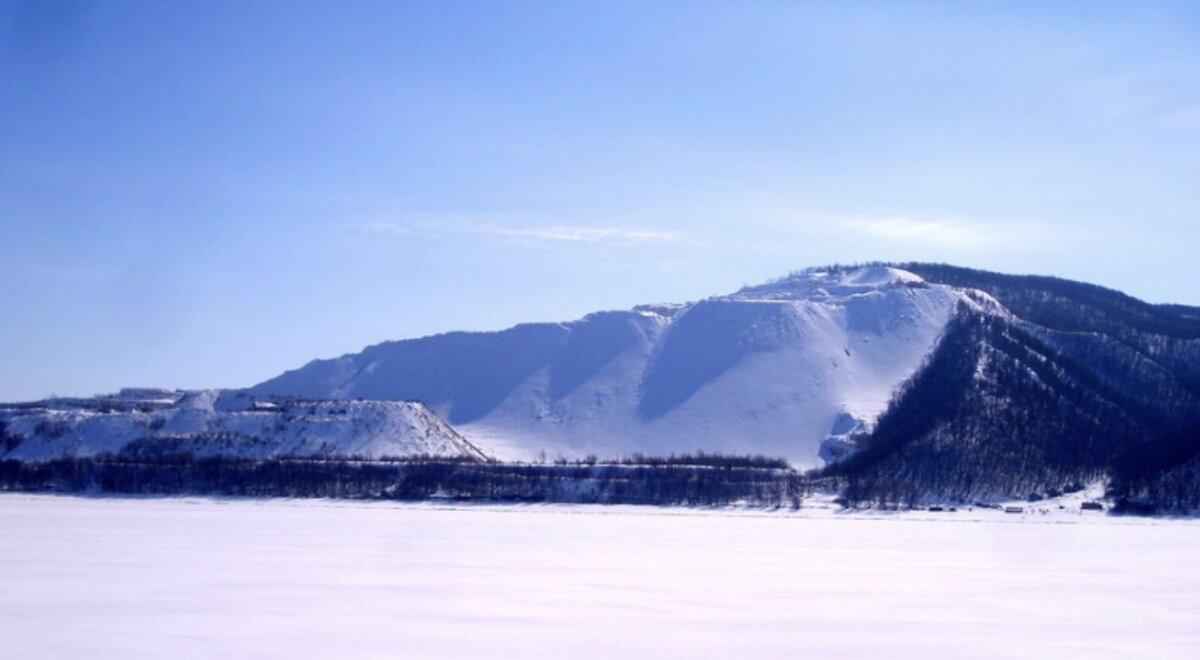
(1097, 386)
(716, 374)
(1044, 382)
(897, 382)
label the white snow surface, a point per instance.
(774, 369)
(211, 423)
(197, 578)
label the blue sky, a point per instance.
(201, 194)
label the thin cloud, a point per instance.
(585, 234)
(1164, 97)
(1186, 118)
(387, 228)
(543, 234)
(955, 234)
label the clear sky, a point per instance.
(202, 194)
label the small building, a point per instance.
(1091, 506)
(1013, 509)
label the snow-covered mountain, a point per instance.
(1050, 385)
(142, 423)
(913, 380)
(907, 382)
(794, 368)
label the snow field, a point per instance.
(149, 578)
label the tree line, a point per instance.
(660, 483)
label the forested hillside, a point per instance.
(1072, 383)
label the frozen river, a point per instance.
(154, 578)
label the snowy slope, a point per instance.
(776, 369)
(209, 423)
(1039, 385)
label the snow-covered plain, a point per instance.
(153, 578)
